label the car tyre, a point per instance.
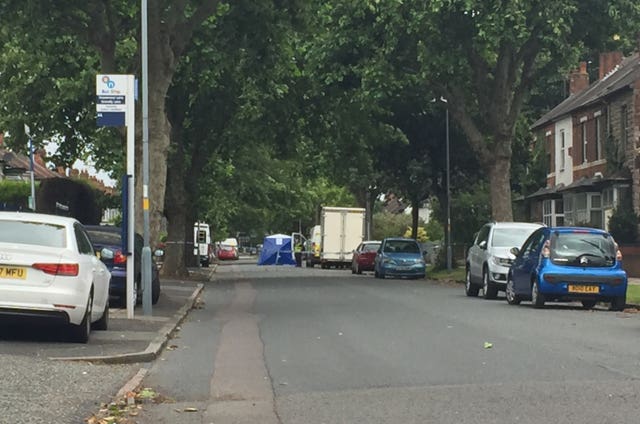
(537, 298)
(618, 303)
(588, 304)
(489, 290)
(512, 297)
(80, 333)
(358, 269)
(469, 288)
(103, 323)
(353, 268)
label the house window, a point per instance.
(599, 138)
(580, 209)
(552, 212)
(583, 128)
(562, 151)
(595, 209)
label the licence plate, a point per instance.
(583, 289)
(403, 268)
(14, 272)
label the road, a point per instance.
(287, 345)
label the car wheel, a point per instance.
(353, 268)
(80, 333)
(103, 323)
(588, 304)
(155, 291)
(469, 288)
(618, 303)
(512, 297)
(537, 298)
(376, 274)
(358, 270)
(489, 290)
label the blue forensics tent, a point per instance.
(277, 250)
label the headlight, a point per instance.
(502, 261)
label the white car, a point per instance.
(49, 270)
(489, 258)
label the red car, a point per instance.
(364, 256)
(227, 252)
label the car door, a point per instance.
(526, 261)
(477, 253)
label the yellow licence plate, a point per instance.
(583, 289)
(14, 272)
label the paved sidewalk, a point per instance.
(141, 338)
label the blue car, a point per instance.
(399, 257)
(568, 264)
(110, 237)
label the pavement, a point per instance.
(141, 338)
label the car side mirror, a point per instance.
(106, 253)
(482, 244)
(158, 253)
(514, 251)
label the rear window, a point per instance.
(34, 233)
(510, 237)
(583, 249)
(401, 246)
(105, 237)
(371, 247)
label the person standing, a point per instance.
(297, 251)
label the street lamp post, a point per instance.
(449, 255)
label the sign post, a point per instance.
(115, 107)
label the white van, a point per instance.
(202, 243)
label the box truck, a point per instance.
(342, 230)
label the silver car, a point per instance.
(489, 258)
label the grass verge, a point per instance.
(633, 294)
(456, 274)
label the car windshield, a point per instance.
(582, 249)
(35, 233)
(105, 237)
(401, 246)
(510, 236)
(371, 247)
(226, 247)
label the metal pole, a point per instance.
(33, 178)
(146, 250)
(449, 256)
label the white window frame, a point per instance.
(583, 128)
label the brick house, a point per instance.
(592, 145)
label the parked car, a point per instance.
(568, 264)
(111, 237)
(227, 252)
(364, 257)
(399, 257)
(49, 271)
(489, 258)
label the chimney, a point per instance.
(608, 62)
(578, 79)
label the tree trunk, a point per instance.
(499, 171)
(179, 252)
(415, 209)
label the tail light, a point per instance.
(546, 249)
(119, 258)
(618, 253)
(68, 270)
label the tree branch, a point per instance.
(184, 30)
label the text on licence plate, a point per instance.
(15, 272)
(583, 289)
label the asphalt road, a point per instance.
(286, 345)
